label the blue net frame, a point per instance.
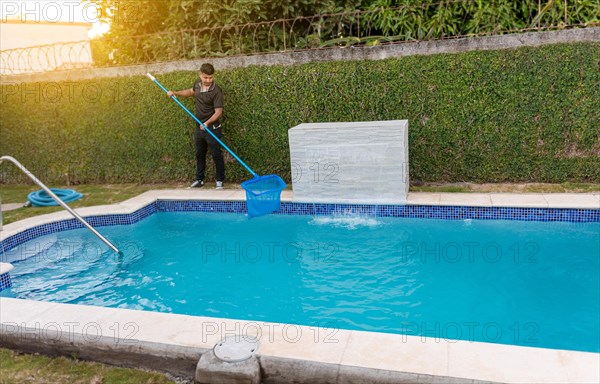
(263, 194)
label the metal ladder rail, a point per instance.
(58, 200)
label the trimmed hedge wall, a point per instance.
(521, 115)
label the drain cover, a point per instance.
(236, 348)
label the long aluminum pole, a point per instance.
(58, 200)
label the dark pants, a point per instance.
(204, 141)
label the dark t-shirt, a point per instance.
(206, 102)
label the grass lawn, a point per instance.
(114, 193)
(92, 195)
(20, 368)
(508, 188)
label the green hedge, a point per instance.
(521, 115)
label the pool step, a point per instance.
(5, 281)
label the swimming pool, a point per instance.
(510, 282)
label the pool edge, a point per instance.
(107, 334)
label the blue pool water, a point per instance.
(524, 283)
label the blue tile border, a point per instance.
(5, 281)
(575, 215)
(65, 225)
(201, 206)
(287, 208)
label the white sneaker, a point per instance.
(219, 185)
(197, 184)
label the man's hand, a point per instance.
(170, 93)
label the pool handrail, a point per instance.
(58, 200)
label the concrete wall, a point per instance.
(350, 162)
(20, 34)
(23, 34)
(378, 52)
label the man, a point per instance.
(208, 98)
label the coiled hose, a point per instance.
(42, 199)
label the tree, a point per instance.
(159, 30)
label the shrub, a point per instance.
(520, 115)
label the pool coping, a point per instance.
(588, 201)
(402, 357)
